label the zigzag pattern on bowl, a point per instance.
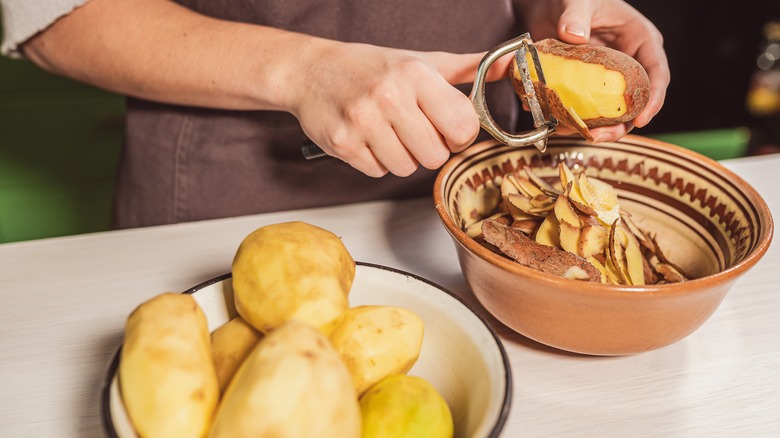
(681, 182)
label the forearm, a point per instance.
(379, 109)
(158, 50)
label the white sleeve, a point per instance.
(22, 19)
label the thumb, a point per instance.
(574, 22)
(462, 68)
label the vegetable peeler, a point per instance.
(521, 45)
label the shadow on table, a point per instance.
(91, 408)
(417, 222)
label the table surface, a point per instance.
(65, 302)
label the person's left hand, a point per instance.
(611, 23)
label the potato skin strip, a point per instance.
(519, 247)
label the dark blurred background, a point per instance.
(712, 47)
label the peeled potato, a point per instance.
(377, 341)
(587, 86)
(405, 406)
(166, 376)
(292, 271)
(231, 343)
(293, 384)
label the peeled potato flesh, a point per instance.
(231, 343)
(292, 271)
(293, 384)
(377, 341)
(405, 406)
(166, 375)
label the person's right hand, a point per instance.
(378, 109)
(386, 110)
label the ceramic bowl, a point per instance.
(708, 220)
(461, 354)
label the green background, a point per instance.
(59, 144)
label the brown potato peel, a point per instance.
(516, 245)
(576, 230)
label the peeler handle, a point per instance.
(310, 150)
(538, 136)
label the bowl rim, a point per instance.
(765, 230)
(495, 429)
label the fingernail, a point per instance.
(600, 138)
(575, 29)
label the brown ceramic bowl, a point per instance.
(707, 219)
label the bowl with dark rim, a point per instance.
(708, 220)
(461, 354)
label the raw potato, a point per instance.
(405, 406)
(377, 341)
(231, 343)
(293, 384)
(292, 270)
(587, 86)
(166, 376)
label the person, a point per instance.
(220, 94)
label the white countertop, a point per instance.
(64, 302)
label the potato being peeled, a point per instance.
(377, 341)
(586, 86)
(292, 271)
(293, 384)
(166, 376)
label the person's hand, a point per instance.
(381, 110)
(611, 23)
(378, 109)
(386, 110)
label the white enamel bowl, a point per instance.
(461, 355)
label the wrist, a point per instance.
(292, 69)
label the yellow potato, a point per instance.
(166, 375)
(377, 341)
(230, 345)
(292, 271)
(586, 86)
(405, 406)
(293, 384)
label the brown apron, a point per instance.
(184, 164)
